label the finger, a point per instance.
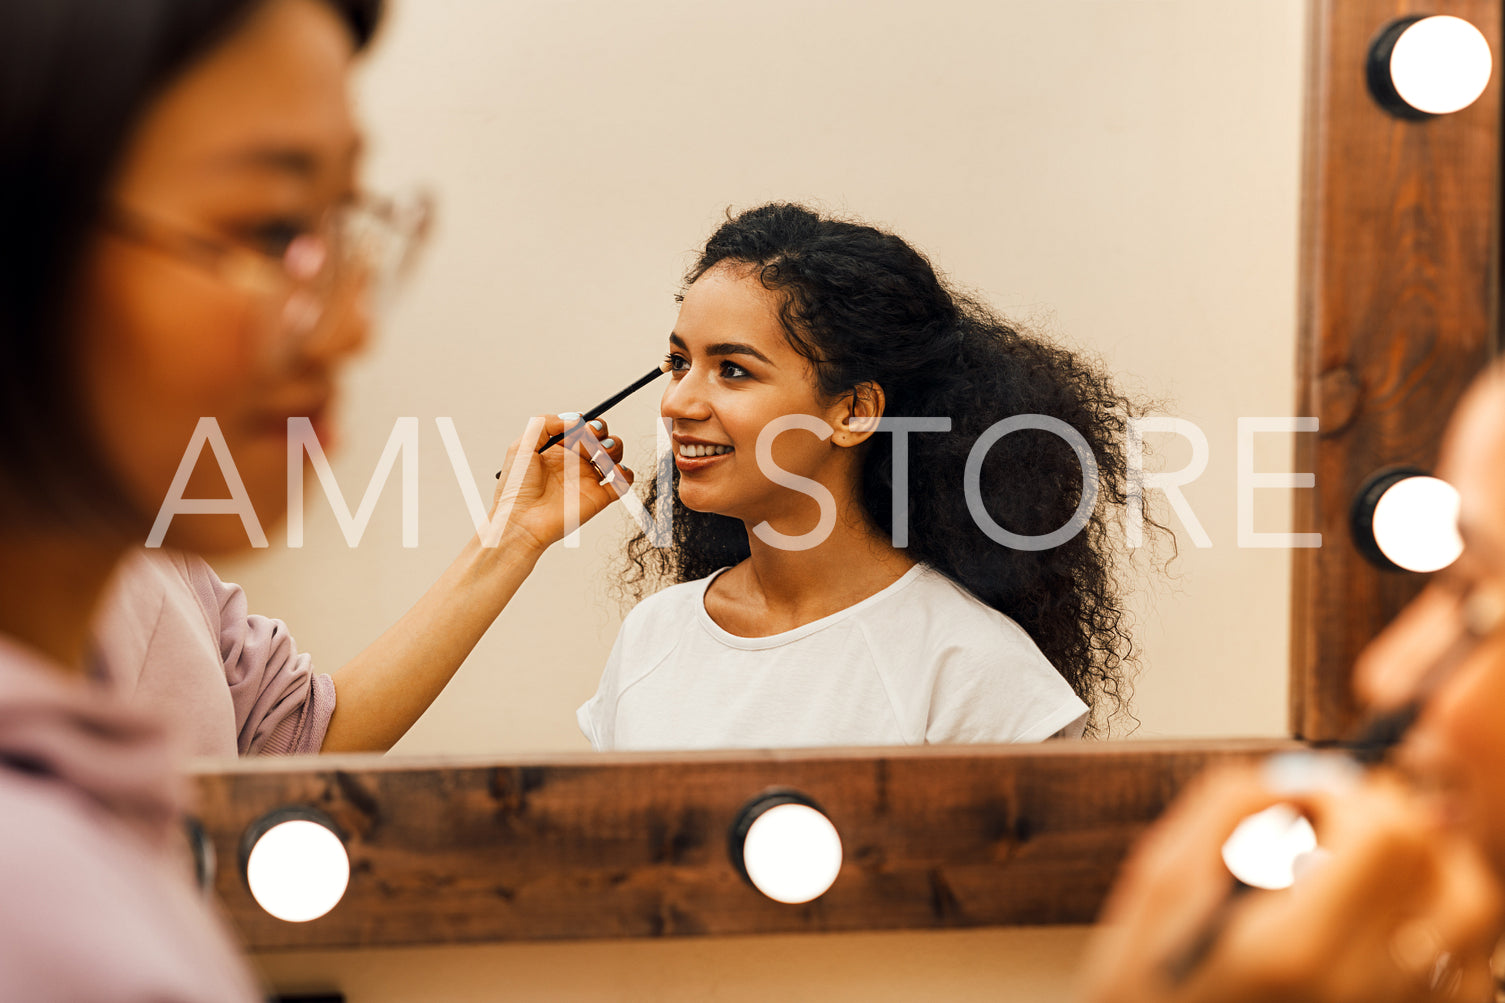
(1393, 887)
(566, 425)
(1183, 850)
(601, 429)
(591, 438)
(593, 442)
(1390, 669)
(1178, 883)
(610, 475)
(608, 446)
(598, 495)
(1379, 861)
(1175, 881)
(1384, 870)
(557, 424)
(1376, 877)
(533, 437)
(602, 478)
(613, 445)
(615, 483)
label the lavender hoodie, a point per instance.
(96, 901)
(172, 637)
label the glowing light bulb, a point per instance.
(1431, 65)
(1441, 65)
(786, 847)
(1416, 524)
(297, 869)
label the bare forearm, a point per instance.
(382, 691)
(388, 686)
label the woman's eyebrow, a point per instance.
(724, 348)
(734, 348)
(282, 160)
(285, 158)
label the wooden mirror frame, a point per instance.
(1398, 312)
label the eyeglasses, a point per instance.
(368, 245)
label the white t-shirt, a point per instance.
(921, 661)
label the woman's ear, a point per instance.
(857, 415)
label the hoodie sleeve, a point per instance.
(95, 897)
(90, 915)
(282, 707)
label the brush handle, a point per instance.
(601, 408)
(1190, 958)
(605, 406)
(1382, 733)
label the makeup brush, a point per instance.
(604, 406)
(1481, 613)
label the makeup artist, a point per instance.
(1404, 902)
(168, 634)
(184, 237)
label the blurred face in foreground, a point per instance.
(212, 288)
(1456, 751)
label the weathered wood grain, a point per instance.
(619, 846)
(1399, 280)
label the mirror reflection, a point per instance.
(832, 587)
(1118, 180)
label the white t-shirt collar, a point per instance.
(774, 640)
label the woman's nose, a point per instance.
(684, 398)
(346, 327)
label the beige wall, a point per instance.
(1121, 173)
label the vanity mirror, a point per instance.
(1398, 271)
(1075, 164)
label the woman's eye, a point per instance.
(677, 363)
(732, 371)
(273, 237)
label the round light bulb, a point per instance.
(1416, 524)
(792, 853)
(1267, 848)
(1440, 65)
(298, 870)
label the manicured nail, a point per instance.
(570, 415)
(598, 426)
(608, 443)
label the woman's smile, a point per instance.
(692, 455)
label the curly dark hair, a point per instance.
(863, 306)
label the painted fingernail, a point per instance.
(608, 443)
(598, 426)
(570, 415)
(1305, 772)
